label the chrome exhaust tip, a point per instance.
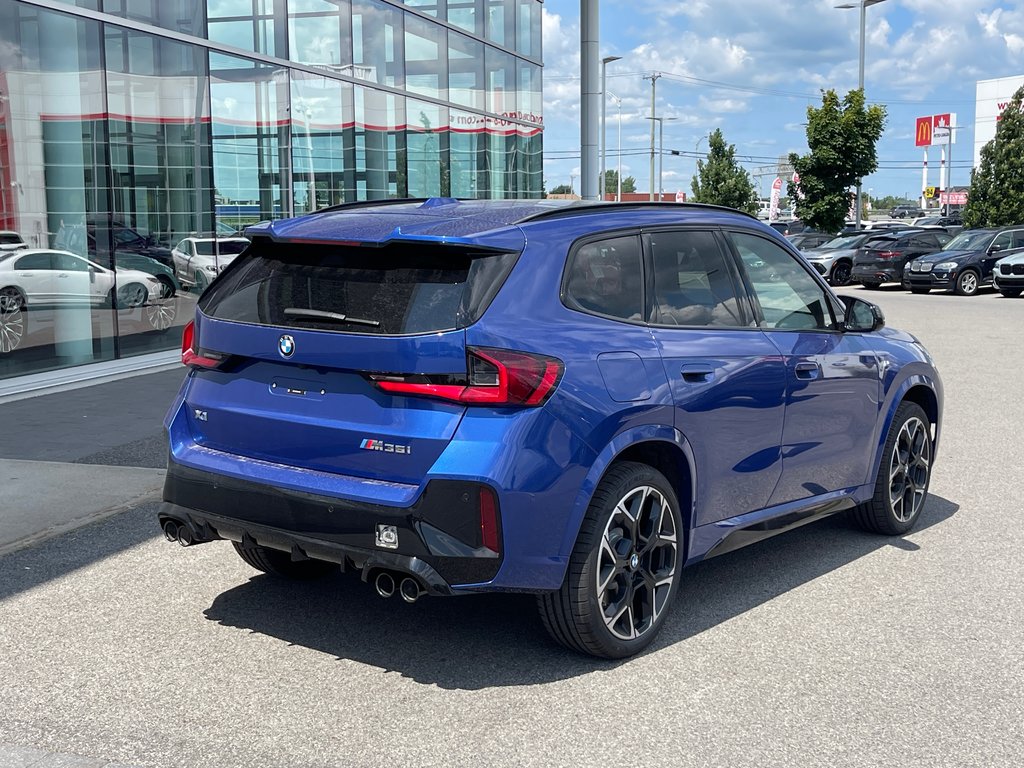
(410, 590)
(384, 584)
(185, 536)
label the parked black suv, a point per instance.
(83, 238)
(882, 259)
(965, 264)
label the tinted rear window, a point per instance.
(398, 289)
(7, 239)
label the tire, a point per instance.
(12, 319)
(280, 564)
(841, 272)
(131, 296)
(919, 289)
(967, 283)
(1011, 293)
(905, 469)
(632, 561)
(201, 282)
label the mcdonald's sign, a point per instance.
(923, 134)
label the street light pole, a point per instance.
(604, 103)
(863, 5)
(696, 154)
(654, 83)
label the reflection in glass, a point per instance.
(249, 106)
(427, 139)
(254, 25)
(468, 155)
(465, 71)
(320, 33)
(528, 28)
(321, 139)
(464, 14)
(378, 43)
(426, 70)
(501, 81)
(380, 157)
(186, 16)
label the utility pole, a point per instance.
(590, 101)
(653, 77)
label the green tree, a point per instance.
(720, 180)
(842, 137)
(996, 195)
(561, 189)
(611, 183)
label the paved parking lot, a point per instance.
(825, 646)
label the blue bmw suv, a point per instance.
(576, 401)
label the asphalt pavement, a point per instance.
(822, 647)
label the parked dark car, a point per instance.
(965, 264)
(809, 239)
(83, 238)
(882, 259)
(576, 401)
(906, 210)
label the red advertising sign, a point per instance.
(923, 134)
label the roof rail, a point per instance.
(584, 206)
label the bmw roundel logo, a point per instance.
(286, 346)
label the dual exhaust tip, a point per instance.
(180, 533)
(408, 587)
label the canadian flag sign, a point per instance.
(937, 130)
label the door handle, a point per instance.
(808, 371)
(697, 374)
(63, 274)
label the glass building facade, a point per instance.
(129, 126)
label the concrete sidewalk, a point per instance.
(77, 456)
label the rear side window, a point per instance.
(398, 289)
(606, 278)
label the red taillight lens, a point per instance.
(189, 350)
(889, 255)
(496, 377)
(489, 519)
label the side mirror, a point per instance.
(862, 316)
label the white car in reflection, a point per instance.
(197, 260)
(37, 277)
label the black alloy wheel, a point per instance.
(901, 487)
(841, 273)
(624, 570)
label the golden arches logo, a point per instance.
(924, 131)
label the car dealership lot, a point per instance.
(826, 646)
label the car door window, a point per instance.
(606, 278)
(790, 299)
(35, 261)
(1018, 238)
(65, 262)
(923, 242)
(1002, 242)
(693, 281)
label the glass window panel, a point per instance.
(528, 28)
(501, 81)
(465, 71)
(531, 102)
(255, 25)
(426, 70)
(530, 162)
(427, 150)
(468, 152)
(321, 34)
(381, 168)
(429, 7)
(53, 177)
(605, 278)
(500, 22)
(467, 15)
(249, 106)
(321, 132)
(187, 16)
(378, 43)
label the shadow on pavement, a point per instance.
(484, 641)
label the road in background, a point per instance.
(823, 647)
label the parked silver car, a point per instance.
(834, 259)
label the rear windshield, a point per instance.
(9, 239)
(226, 247)
(405, 288)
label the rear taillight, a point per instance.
(191, 355)
(495, 377)
(889, 255)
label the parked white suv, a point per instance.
(197, 260)
(1008, 275)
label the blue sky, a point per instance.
(753, 68)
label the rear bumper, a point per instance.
(438, 537)
(874, 274)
